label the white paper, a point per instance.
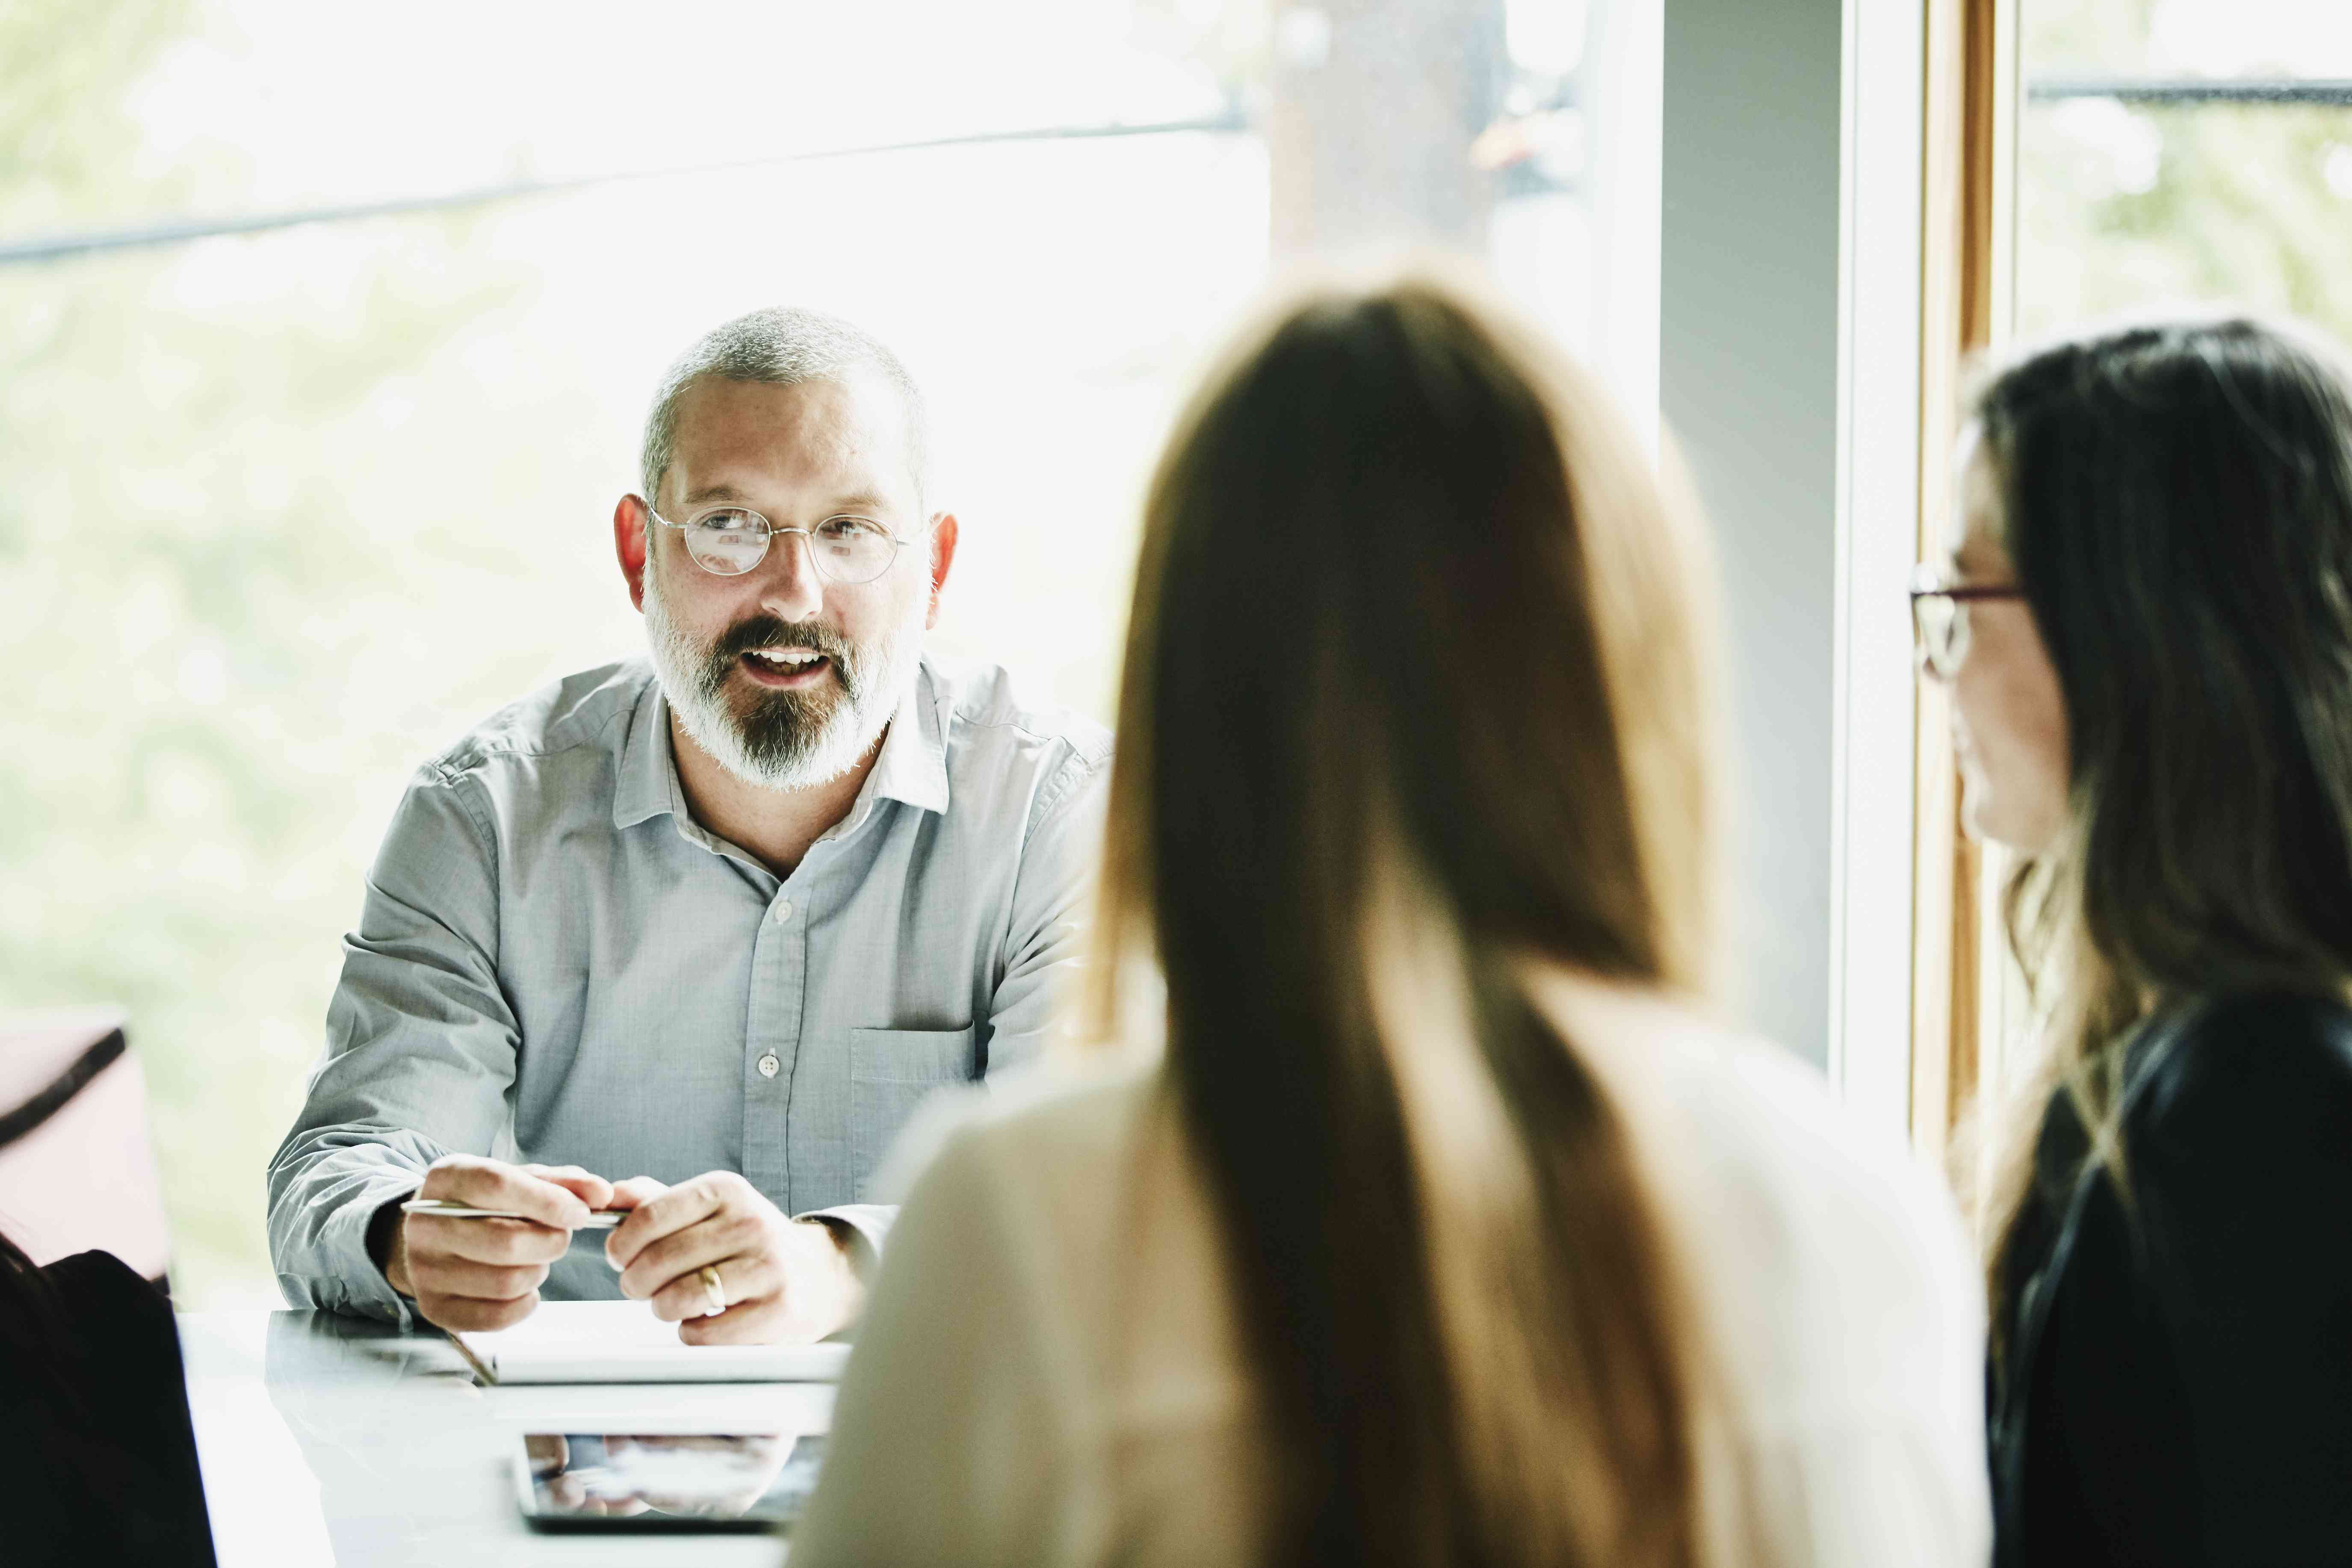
(623, 1341)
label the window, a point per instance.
(284, 509)
(2184, 150)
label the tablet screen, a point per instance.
(742, 1480)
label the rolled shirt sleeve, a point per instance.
(419, 1055)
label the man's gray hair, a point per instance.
(782, 346)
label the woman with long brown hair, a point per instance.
(1443, 1227)
(2147, 629)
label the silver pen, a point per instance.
(598, 1219)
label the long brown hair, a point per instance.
(1416, 693)
(2176, 502)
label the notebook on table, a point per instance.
(623, 1341)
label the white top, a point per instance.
(1049, 1370)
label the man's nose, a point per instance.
(790, 588)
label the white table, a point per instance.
(329, 1440)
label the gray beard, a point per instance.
(780, 739)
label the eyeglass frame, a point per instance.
(1941, 656)
(816, 562)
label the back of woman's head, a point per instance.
(1415, 694)
(2178, 501)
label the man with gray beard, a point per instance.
(691, 938)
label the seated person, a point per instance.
(714, 923)
(2147, 629)
(98, 1456)
(1445, 1227)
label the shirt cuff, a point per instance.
(364, 1288)
(861, 1228)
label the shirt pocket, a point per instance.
(892, 1071)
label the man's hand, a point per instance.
(486, 1273)
(784, 1281)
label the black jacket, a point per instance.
(2173, 1382)
(98, 1458)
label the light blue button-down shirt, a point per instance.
(555, 962)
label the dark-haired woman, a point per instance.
(1447, 1228)
(2148, 631)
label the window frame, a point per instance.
(1962, 989)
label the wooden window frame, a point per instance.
(1958, 975)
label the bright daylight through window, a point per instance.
(2184, 150)
(282, 512)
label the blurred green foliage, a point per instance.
(230, 590)
(2133, 207)
(66, 145)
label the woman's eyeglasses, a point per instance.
(731, 540)
(1940, 615)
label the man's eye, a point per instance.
(848, 531)
(727, 522)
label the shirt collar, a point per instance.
(648, 785)
(913, 768)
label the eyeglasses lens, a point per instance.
(729, 551)
(1941, 629)
(850, 551)
(843, 550)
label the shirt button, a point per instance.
(768, 1065)
(783, 912)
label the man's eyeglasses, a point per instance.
(1940, 615)
(731, 540)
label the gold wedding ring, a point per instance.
(714, 1291)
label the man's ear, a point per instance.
(943, 548)
(629, 525)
